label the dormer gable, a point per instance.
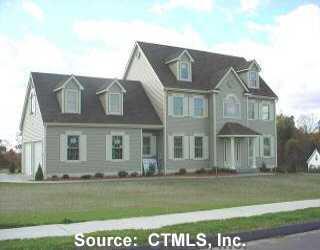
(111, 96)
(250, 74)
(180, 65)
(69, 95)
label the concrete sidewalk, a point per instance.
(153, 222)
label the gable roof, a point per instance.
(207, 69)
(178, 55)
(233, 128)
(137, 106)
(64, 82)
(108, 84)
(313, 154)
(231, 70)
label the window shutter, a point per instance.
(170, 147)
(126, 147)
(170, 105)
(108, 147)
(261, 146)
(205, 107)
(63, 149)
(185, 147)
(83, 147)
(191, 106)
(192, 147)
(153, 146)
(271, 110)
(185, 106)
(205, 147)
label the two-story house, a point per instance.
(185, 108)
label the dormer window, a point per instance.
(185, 71)
(253, 79)
(115, 103)
(72, 101)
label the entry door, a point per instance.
(28, 158)
(237, 152)
(37, 156)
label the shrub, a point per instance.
(122, 174)
(99, 175)
(65, 176)
(12, 168)
(86, 176)
(314, 170)
(182, 171)
(152, 170)
(39, 174)
(201, 171)
(66, 221)
(54, 177)
(263, 168)
(134, 174)
(219, 170)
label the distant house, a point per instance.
(314, 160)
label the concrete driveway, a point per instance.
(19, 178)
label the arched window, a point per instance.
(231, 107)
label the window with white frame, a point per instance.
(72, 101)
(252, 111)
(117, 147)
(114, 106)
(178, 105)
(198, 103)
(253, 79)
(266, 146)
(146, 145)
(265, 111)
(198, 147)
(184, 71)
(231, 107)
(32, 103)
(178, 147)
(73, 147)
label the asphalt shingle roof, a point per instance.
(137, 106)
(207, 69)
(233, 128)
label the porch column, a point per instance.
(254, 165)
(233, 166)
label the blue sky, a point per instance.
(95, 38)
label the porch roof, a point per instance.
(236, 129)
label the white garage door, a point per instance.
(28, 158)
(37, 155)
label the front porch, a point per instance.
(238, 147)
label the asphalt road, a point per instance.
(306, 241)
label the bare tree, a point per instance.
(308, 123)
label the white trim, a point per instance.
(183, 149)
(107, 89)
(189, 79)
(185, 51)
(231, 117)
(65, 97)
(141, 152)
(191, 90)
(244, 136)
(250, 66)
(260, 96)
(104, 125)
(72, 77)
(108, 103)
(72, 133)
(183, 104)
(237, 76)
(257, 80)
(256, 116)
(149, 135)
(204, 107)
(214, 131)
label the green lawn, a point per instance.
(33, 204)
(209, 228)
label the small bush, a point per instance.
(122, 174)
(54, 177)
(182, 171)
(314, 170)
(86, 177)
(39, 174)
(12, 168)
(201, 171)
(219, 170)
(99, 175)
(134, 174)
(65, 176)
(66, 221)
(263, 168)
(152, 170)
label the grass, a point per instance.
(208, 228)
(34, 204)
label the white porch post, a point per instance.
(232, 153)
(254, 164)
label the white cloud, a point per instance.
(290, 59)
(197, 5)
(249, 5)
(33, 9)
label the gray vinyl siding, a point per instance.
(140, 69)
(188, 126)
(96, 152)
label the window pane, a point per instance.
(73, 147)
(178, 147)
(178, 105)
(72, 101)
(251, 110)
(117, 147)
(184, 71)
(198, 147)
(198, 106)
(114, 103)
(253, 78)
(231, 107)
(146, 145)
(266, 146)
(265, 112)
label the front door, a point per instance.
(237, 152)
